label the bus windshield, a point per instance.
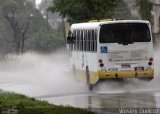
(124, 33)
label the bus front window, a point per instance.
(124, 33)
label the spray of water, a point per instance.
(36, 74)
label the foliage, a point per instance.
(18, 23)
(7, 99)
(25, 105)
(145, 7)
(84, 10)
(122, 11)
(36, 32)
(45, 45)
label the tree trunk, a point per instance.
(18, 46)
(22, 45)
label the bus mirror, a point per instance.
(70, 40)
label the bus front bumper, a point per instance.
(126, 74)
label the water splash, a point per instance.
(36, 74)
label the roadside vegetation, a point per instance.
(85, 10)
(25, 105)
(23, 28)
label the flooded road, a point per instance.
(48, 77)
(110, 103)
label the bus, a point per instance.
(114, 49)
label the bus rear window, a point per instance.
(125, 33)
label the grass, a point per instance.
(24, 105)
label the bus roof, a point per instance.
(95, 25)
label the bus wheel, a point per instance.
(88, 79)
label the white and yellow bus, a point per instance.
(111, 50)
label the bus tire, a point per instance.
(88, 79)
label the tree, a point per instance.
(145, 7)
(84, 10)
(122, 11)
(19, 22)
(37, 37)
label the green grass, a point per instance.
(25, 105)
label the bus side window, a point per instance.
(85, 40)
(95, 41)
(89, 40)
(78, 40)
(75, 44)
(82, 37)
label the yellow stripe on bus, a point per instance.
(96, 76)
(129, 74)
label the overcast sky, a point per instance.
(38, 1)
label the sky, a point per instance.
(38, 2)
